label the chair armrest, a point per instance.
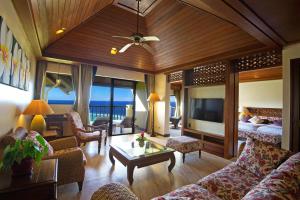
(98, 127)
(64, 143)
(241, 148)
(82, 130)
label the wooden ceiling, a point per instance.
(52, 15)
(187, 35)
(282, 16)
(145, 6)
(191, 31)
(92, 41)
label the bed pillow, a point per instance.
(261, 158)
(277, 122)
(256, 120)
(244, 118)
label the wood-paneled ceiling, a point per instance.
(52, 15)
(191, 31)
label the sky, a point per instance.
(98, 93)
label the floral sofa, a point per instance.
(262, 172)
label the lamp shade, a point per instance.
(153, 97)
(38, 107)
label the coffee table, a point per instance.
(133, 155)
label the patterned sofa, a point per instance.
(262, 172)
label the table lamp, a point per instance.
(153, 97)
(38, 108)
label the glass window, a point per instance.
(59, 89)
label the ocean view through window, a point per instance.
(59, 89)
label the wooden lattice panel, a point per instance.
(258, 61)
(175, 76)
(205, 75)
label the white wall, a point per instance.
(261, 94)
(161, 116)
(13, 101)
(207, 92)
(120, 73)
(288, 53)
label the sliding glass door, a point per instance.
(123, 105)
(113, 102)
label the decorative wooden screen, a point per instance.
(205, 75)
(175, 76)
(258, 61)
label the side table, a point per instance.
(41, 185)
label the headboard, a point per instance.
(266, 113)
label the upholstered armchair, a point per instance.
(71, 159)
(87, 133)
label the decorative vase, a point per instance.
(141, 143)
(24, 168)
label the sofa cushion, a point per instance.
(261, 158)
(282, 184)
(192, 191)
(230, 183)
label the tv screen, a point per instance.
(207, 109)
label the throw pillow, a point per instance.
(261, 158)
(32, 134)
(256, 120)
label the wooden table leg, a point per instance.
(130, 169)
(172, 164)
(111, 157)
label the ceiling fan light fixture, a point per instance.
(113, 51)
(59, 31)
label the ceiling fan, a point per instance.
(138, 38)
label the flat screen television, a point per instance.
(207, 109)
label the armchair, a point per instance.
(87, 133)
(71, 161)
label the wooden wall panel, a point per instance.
(188, 34)
(272, 73)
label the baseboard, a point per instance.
(165, 135)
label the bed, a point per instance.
(270, 132)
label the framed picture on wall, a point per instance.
(14, 64)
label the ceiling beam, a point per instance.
(239, 14)
(94, 62)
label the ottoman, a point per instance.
(184, 144)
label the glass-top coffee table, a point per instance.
(137, 155)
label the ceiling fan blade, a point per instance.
(151, 38)
(147, 47)
(126, 47)
(123, 37)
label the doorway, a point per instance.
(113, 102)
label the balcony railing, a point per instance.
(119, 112)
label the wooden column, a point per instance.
(231, 112)
(295, 106)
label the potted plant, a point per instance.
(21, 155)
(141, 139)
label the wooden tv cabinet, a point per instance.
(212, 143)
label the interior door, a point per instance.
(295, 106)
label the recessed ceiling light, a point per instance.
(113, 51)
(59, 31)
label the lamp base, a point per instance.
(38, 124)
